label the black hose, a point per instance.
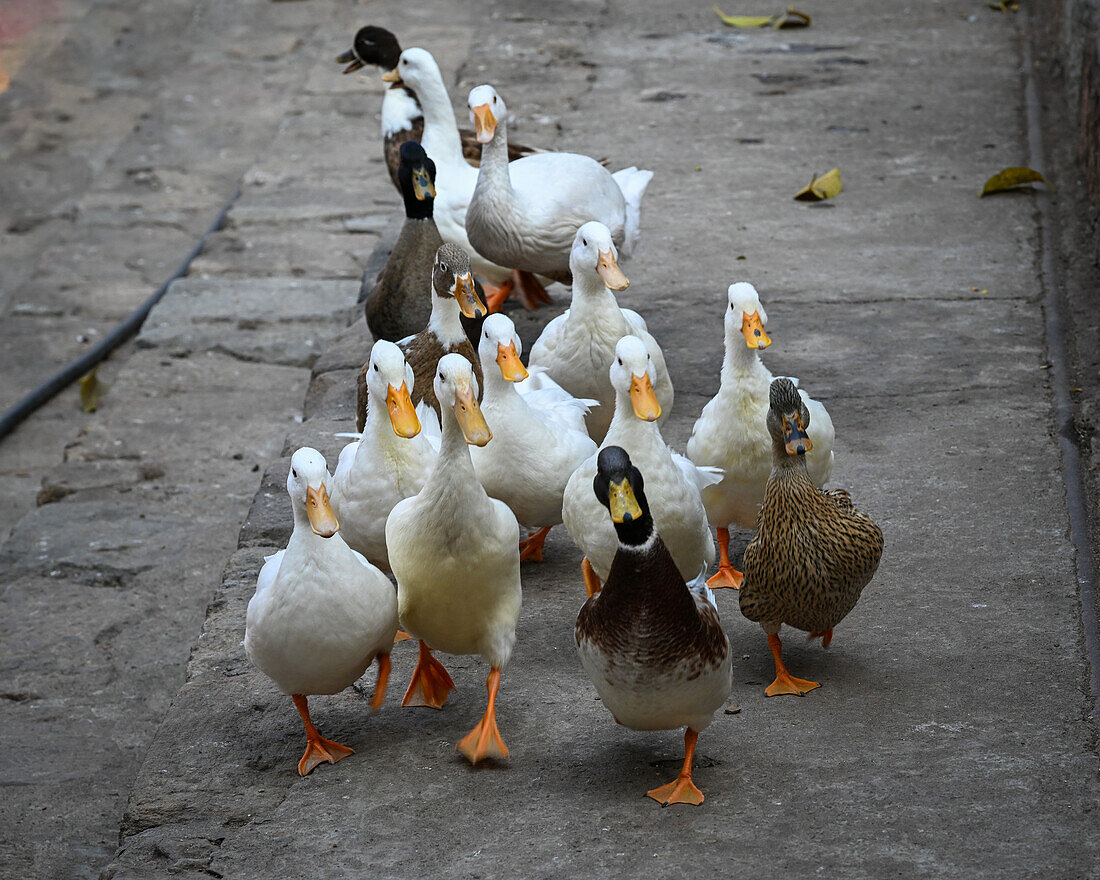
(123, 332)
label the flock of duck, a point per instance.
(460, 445)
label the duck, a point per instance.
(652, 644)
(455, 554)
(525, 214)
(674, 482)
(453, 294)
(389, 462)
(538, 437)
(456, 178)
(731, 433)
(321, 613)
(397, 304)
(402, 117)
(575, 348)
(813, 552)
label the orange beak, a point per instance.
(468, 300)
(643, 399)
(485, 124)
(795, 436)
(752, 328)
(322, 519)
(610, 272)
(511, 367)
(470, 418)
(391, 76)
(402, 413)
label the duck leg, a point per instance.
(318, 749)
(727, 576)
(681, 790)
(430, 682)
(380, 685)
(826, 636)
(484, 740)
(530, 548)
(785, 683)
(401, 636)
(591, 580)
(531, 292)
(495, 296)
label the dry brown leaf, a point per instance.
(91, 390)
(1011, 178)
(820, 188)
(792, 18)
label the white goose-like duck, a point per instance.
(575, 348)
(538, 436)
(673, 483)
(388, 463)
(321, 613)
(455, 553)
(525, 214)
(732, 432)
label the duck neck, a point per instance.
(445, 322)
(440, 141)
(644, 581)
(494, 162)
(740, 361)
(591, 297)
(454, 468)
(787, 466)
(497, 388)
(378, 430)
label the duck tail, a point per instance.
(632, 182)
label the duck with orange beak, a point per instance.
(321, 613)
(455, 554)
(673, 483)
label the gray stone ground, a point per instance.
(950, 737)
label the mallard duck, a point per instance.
(453, 294)
(577, 346)
(674, 482)
(402, 118)
(813, 552)
(455, 553)
(538, 437)
(321, 613)
(651, 645)
(732, 431)
(398, 304)
(525, 214)
(389, 462)
(456, 178)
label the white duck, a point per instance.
(455, 553)
(538, 436)
(389, 462)
(321, 613)
(672, 483)
(576, 347)
(525, 214)
(732, 432)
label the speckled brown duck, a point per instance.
(453, 294)
(813, 552)
(402, 118)
(652, 645)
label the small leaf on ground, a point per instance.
(91, 390)
(1011, 178)
(824, 187)
(792, 18)
(1004, 5)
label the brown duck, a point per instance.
(453, 294)
(402, 118)
(813, 552)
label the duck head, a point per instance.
(372, 45)
(788, 418)
(499, 342)
(308, 484)
(416, 175)
(486, 110)
(456, 390)
(746, 316)
(451, 278)
(389, 379)
(633, 373)
(619, 487)
(594, 254)
(412, 68)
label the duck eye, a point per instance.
(441, 379)
(620, 362)
(376, 368)
(584, 242)
(294, 473)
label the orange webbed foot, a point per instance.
(727, 576)
(430, 683)
(401, 636)
(484, 741)
(785, 683)
(320, 751)
(530, 548)
(680, 791)
(495, 296)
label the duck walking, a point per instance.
(321, 613)
(652, 645)
(455, 553)
(813, 552)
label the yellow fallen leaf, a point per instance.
(820, 188)
(91, 390)
(792, 18)
(1011, 178)
(1005, 5)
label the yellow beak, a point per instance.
(402, 413)
(469, 415)
(422, 184)
(468, 300)
(795, 436)
(752, 328)
(322, 519)
(624, 506)
(644, 400)
(391, 76)
(485, 124)
(610, 272)
(511, 367)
